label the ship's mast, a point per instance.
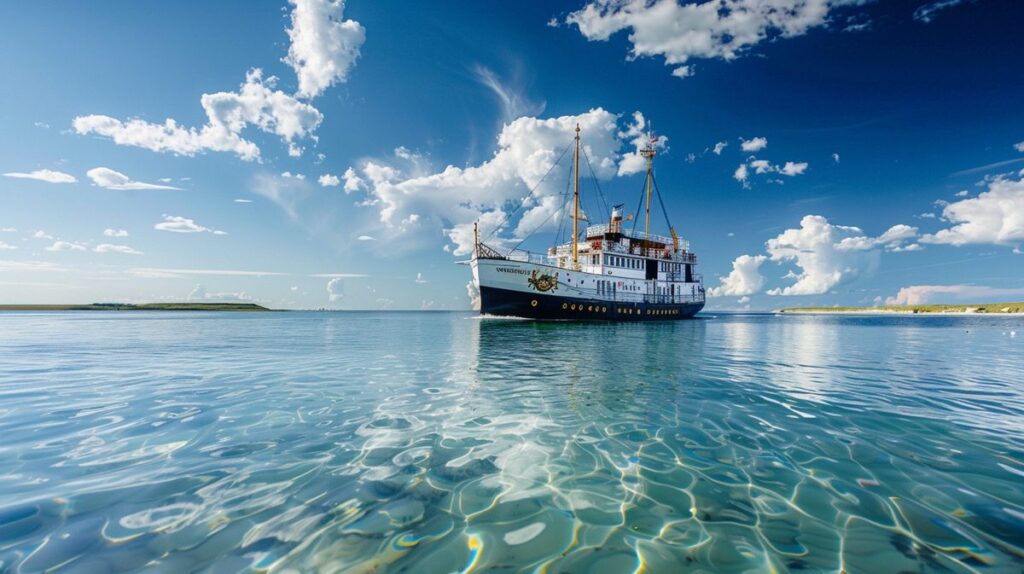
(576, 202)
(648, 152)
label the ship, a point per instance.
(604, 272)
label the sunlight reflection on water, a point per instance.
(438, 442)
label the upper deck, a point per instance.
(615, 230)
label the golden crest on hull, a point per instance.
(542, 282)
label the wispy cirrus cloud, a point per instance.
(339, 275)
(926, 12)
(60, 245)
(164, 272)
(110, 179)
(511, 94)
(47, 175)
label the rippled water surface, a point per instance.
(435, 442)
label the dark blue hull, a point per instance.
(553, 307)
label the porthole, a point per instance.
(565, 305)
(533, 303)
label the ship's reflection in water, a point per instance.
(450, 443)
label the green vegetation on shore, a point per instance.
(972, 308)
(142, 307)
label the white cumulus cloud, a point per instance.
(334, 289)
(707, 29)
(4, 246)
(995, 216)
(924, 294)
(892, 239)
(763, 166)
(178, 224)
(256, 103)
(411, 196)
(754, 145)
(814, 249)
(115, 233)
(65, 246)
(324, 46)
(792, 168)
(47, 175)
(637, 134)
(741, 174)
(744, 279)
(719, 147)
(328, 180)
(352, 181)
(111, 248)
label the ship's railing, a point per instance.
(696, 295)
(486, 252)
(565, 251)
(529, 257)
(603, 228)
(630, 297)
(680, 277)
(681, 256)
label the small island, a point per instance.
(965, 309)
(246, 307)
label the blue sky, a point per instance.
(326, 154)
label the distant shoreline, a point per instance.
(980, 309)
(236, 307)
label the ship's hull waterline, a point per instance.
(512, 289)
(506, 303)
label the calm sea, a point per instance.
(441, 442)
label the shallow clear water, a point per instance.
(433, 442)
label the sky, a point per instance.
(311, 154)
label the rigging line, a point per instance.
(543, 223)
(636, 217)
(604, 202)
(565, 200)
(661, 201)
(504, 220)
